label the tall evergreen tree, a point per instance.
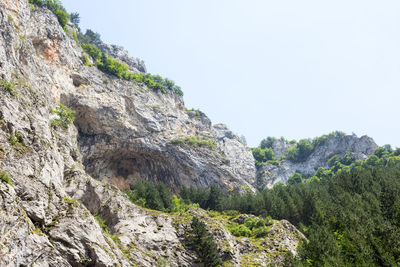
(203, 243)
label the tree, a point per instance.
(165, 196)
(267, 142)
(203, 243)
(75, 18)
(215, 198)
(90, 37)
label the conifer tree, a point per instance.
(203, 243)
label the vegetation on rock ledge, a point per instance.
(195, 141)
(56, 7)
(65, 115)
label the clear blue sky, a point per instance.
(287, 68)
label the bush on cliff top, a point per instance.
(112, 66)
(56, 7)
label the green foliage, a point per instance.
(349, 213)
(5, 177)
(250, 228)
(301, 151)
(239, 230)
(296, 178)
(262, 155)
(62, 16)
(112, 66)
(146, 194)
(93, 51)
(195, 141)
(203, 243)
(90, 37)
(75, 18)
(210, 198)
(56, 7)
(65, 115)
(85, 60)
(8, 86)
(102, 224)
(162, 262)
(267, 143)
(157, 83)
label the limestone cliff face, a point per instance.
(358, 147)
(122, 133)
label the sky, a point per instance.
(297, 69)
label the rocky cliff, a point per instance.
(60, 203)
(357, 147)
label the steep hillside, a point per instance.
(52, 210)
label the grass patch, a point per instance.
(13, 21)
(8, 86)
(195, 141)
(16, 141)
(5, 177)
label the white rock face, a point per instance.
(359, 148)
(124, 133)
(240, 157)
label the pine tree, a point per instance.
(203, 243)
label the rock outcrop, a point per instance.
(118, 52)
(52, 211)
(358, 147)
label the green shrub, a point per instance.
(62, 16)
(262, 154)
(249, 223)
(85, 60)
(112, 66)
(250, 228)
(66, 116)
(239, 230)
(93, 51)
(301, 151)
(260, 231)
(8, 86)
(5, 177)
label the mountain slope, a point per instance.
(52, 210)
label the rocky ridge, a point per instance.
(52, 211)
(358, 147)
